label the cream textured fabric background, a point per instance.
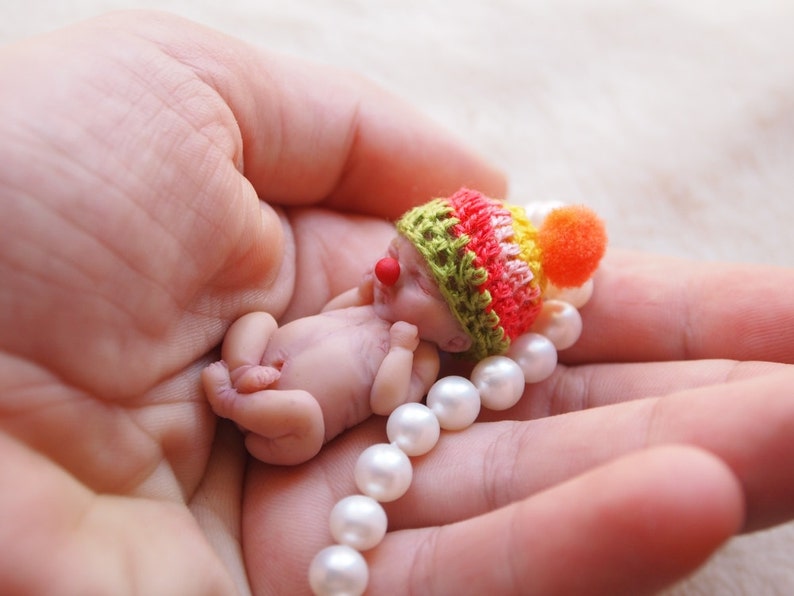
(674, 119)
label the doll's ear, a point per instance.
(457, 343)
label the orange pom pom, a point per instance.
(573, 240)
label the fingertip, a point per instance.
(650, 518)
(681, 503)
(644, 522)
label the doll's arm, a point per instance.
(426, 367)
(407, 371)
(358, 296)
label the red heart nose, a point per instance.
(387, 270)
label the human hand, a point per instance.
(133, 153)
(125, 257)
(668, 429)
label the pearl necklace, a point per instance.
(383, 472)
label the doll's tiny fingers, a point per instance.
(579, 537)
(404, 335)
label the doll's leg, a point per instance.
(283, 427)
(243, 348)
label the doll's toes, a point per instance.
(215, 378)
(218, 386)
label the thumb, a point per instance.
(313, 134)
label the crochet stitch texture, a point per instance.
(484, 256)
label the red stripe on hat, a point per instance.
(513, 303)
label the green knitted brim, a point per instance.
(429, 229)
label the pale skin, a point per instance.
(295, 387)
(155, 179)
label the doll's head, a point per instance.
(490, 265)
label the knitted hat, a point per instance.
(492, 265)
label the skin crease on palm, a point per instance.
(134, 151)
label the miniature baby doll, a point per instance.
(463, 274)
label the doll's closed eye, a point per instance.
(426, 284)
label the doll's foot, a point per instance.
(281, 427)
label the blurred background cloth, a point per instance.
(673, 119)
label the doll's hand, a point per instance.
(396, 380)
(131, 235)
(404, 335)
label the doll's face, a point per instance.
(415, 298)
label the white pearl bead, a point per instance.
(537, 211)
(413, 428)
(338, 570)
(577, 297)
(560, 322)
(383, 472)
(500, 382)
(455, 401)
(358, 521)
(535, 354)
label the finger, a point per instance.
(574, 388)
(311, 132)
(648, 308)
(749, 424)
(147, 237)
(31, 522)
(631, 527)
